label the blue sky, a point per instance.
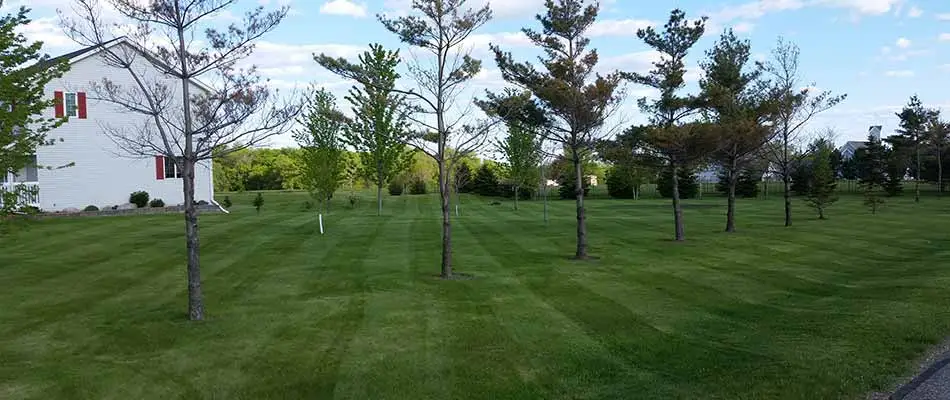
(878, 52)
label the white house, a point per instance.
(850, 148)
(98, 172)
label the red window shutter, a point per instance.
(159, 167)
(60, 104)
(81, 103)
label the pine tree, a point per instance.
(913, 118)
(872, 172)
(821, 190)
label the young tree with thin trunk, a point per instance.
(321, 147)
(795, 107)
(678, 143)
(824, 183)
(872, 172)
(520, 149)
(438, 27)
(738, 103)
(184, 120)
(379, 129)
(24, 121)
(913, 120)
(937, 137)
(576, 99)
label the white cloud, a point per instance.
(621, 27)
(903, 43)
(343, 7)
(943, 17)
(743, 27)
(869, 7)
(479, 42)
(944, 37)
(904, 73)
(755, 9)
(914, 12)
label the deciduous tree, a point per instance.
(238, 109)
(379, 130)
(577, 100)
(795, 107)
(321, 147)
(24, 119)
(438, 27)
(680, 142)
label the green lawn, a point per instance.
(95, 308)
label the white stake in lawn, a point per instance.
(321, 224)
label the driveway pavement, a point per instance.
(932, 384)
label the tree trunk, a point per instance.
(379, 199)
(939, 173)
(544, 192)
(731, 203)
(680, 234)
(821, 212)
(917, 178)
(516, 197)
(788, 199)
(195, 302)
(581, 215)
(445, 195)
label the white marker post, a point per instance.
(321, 224)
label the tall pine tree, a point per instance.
(872, 172)
(823, 183)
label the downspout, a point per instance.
(211, 187)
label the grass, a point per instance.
(96, 308)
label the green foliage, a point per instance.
(464, 182)
(873, 172)
(896, 170)
(140, 199)
(379, 129)
(91, 208)
(24, 73)
(823, 183)
(258, 202)
(396, 187)
(156, 203)
(688, 183)
(800, 172)
(259, 169)
(226, 202)
(322, 155)
(521, 149)
(747, 184)
(486, 181)
(619, 185)
(418, 186)
(567, 187)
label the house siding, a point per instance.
(102, 174)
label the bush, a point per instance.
(157, 203)
(567, 186)
(140, 199)
(91, 209)
(688, 183)
(747, 187)
(396, 187)
(485, 182)
(619, 186)
(226, 202)
(418, 186)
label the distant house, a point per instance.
(592, 180)
(852, 147)
(101, 174)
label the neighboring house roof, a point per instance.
(86, 52)
(855, 145)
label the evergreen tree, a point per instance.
(822, 185)
(913, 118)
(687, 183)
(872, 172)
(486, 181)
(747, 183)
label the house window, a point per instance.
(29, 173)
(72, 105)
(171, 168)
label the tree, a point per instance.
(577, 100)
(463, 179)
(896, 161)
(737, 99)
(632, 162)
(913, 121)
(679, 143)
(823, 183)
(687, 183)
(937, 136)
(486, 181)
(746, 185)
(520, 149)
(795, 107)
(872, 172)
(321, 145)
(183, 123)
(23, 126)
(379, 129)
(439, 27)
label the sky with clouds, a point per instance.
(878, 52)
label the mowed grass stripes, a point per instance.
(96, 308)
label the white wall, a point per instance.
(102, 175)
